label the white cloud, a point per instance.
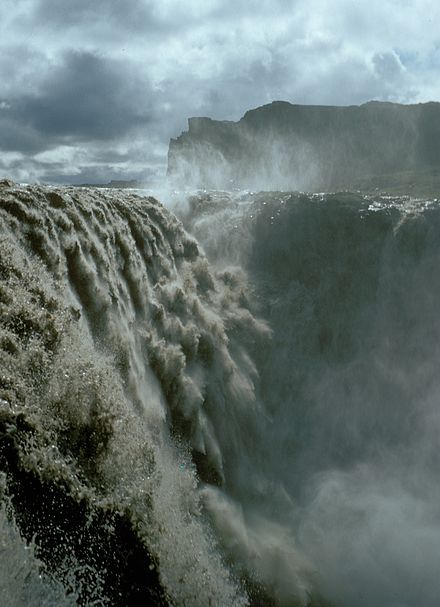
(388, 66)
(220, 59)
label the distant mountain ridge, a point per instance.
(287, 146)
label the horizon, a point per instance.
(158, 182)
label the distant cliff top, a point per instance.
(283, 145)
(287, 110)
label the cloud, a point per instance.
(388, 65)
(116, 15)
(90, 97)
(85, 97)
(18, 137)
(86, 163)
(77, 72)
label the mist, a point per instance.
(236, 384)
(344, 503)
(281, 146)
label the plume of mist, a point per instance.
(309, 148)
(268, 389)
(349, 287)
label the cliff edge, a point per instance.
(286, 146)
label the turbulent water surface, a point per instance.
(233, 402)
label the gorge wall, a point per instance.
(285, 146)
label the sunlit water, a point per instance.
(230, 398)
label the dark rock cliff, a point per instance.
(285, 146)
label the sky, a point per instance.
(92, 90)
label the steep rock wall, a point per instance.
(285, 146)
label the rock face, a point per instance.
(285, 146)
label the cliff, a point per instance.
(285, 146)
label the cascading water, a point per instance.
(244, 416)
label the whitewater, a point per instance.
(221, 398)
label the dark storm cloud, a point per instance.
(85, 97)
(89, 97)
(18, 137)
(93, 75)
(132, 14)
